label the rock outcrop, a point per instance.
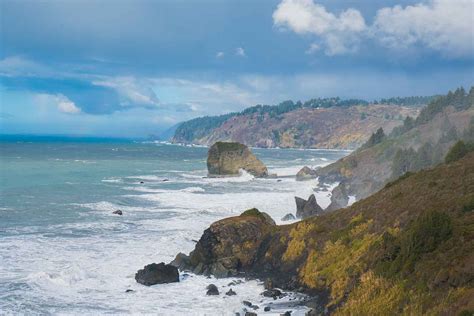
(288, 217)
(339, 198)
(157, 274)
(228, 246)
(307, 208)
(306, 173)
(227, 159)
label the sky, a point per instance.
(128, 68)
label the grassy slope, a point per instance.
(408, 249)
(367, 170)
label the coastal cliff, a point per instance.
(408, 249)
(326, 123)
(418, 144)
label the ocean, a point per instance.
(62, 251)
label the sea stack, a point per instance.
(227, 158)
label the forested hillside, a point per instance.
(316, 123)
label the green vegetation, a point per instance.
(459, 99)
(408, 101)
(229, 146)
(458, 151)
(424, 235)
(200, 127)
(252, 212)
(375, 138)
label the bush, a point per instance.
(424, 235)
(459, 150)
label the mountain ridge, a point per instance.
(287, 124)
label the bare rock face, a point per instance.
(229, 246)
(306, 173)
(157, 274)
(339, 198)
(226, 159)
(307, 208)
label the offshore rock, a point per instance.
(157, 274)
(306, 173)
(212, 290)
(307, 208)
(226, 159)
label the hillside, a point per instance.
(415, 145)
(317, 123)
(406, 250)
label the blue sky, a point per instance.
(134, 68)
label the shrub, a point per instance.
(424, 235)
(459, 150)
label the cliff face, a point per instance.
(367, 170)
(408, 249)
(332, 127)
(226, 159)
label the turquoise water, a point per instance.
(62, 250)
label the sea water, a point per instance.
(62, 251)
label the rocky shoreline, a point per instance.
(343, 260)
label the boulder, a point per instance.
(117, 212)
(157, 273)
(288, 217)
(212, 290)
(306, 173)
(230, 293)
(274, 293)
(181, 261)
(227, 159)
(307, 208)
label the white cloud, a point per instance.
(338, 34)
(441, 25)
(446, 26)
(13, 66)
(313, 48)
(61, 102)
(220, 55)
(134, 91)
(239, 51)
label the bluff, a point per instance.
(226, 159)
(417, 144)
(317, 123)
(408, 249)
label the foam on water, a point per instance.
(83, 258)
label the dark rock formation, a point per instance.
(306, 173)
(226, 159)
(228, 246)
(267, 309)
(309, 208)
(288, 217)
(339, 198)
(212, 290)
(230, 292)
(274, 293)
(157, 273)
(117, 212)
(181, 261)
